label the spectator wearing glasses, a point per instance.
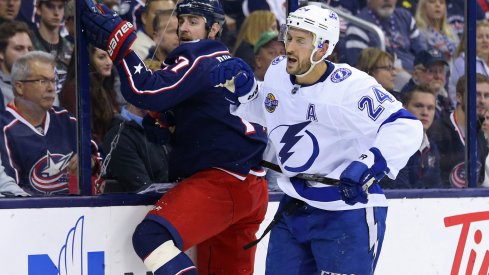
(430, 68)
(380, 65)
(38, 143)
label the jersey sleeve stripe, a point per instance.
(139, 91)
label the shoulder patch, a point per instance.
(340, 75)
(278, 59)
(271, 103)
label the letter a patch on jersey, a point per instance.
(311, 113)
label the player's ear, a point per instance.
(214, 31)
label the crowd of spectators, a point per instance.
(422, 66)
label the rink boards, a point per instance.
(430, 232)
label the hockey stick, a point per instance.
(293, 205)
(313, 177)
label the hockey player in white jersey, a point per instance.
(331, 120)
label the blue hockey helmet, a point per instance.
(211, 10)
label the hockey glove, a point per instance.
(357, 177)
(156, 128)
(107, 31)
(238, 79)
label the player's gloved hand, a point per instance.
(238, 79)
(107, 31)
(360, 174)
(156, 128)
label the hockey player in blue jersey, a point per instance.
(329, 120)
(222, 197)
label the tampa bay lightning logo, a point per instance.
(340, 75)
(300, 147)
(48, 174)
(278, 59)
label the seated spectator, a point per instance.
(401, 36)
(481, 60)
(278, 7)
(15, 41)
(39, 141)
(456, 15)
(165, 36)
(134, 160)
(47, 37)
(103, 99)
(449, 135)
(144, 40)
(254, 25)
(485, 129)
(423, 168)
(431, 19)
(70, 21)
(430, 68)
(9, 9)
(266, 49)
(380, 65)
(8, 186)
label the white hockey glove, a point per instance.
(237, 78)
(357, 177)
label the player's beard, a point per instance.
(299, 67)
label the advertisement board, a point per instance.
(424, 236)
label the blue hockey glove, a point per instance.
(238, 79)
(107, 31)
(357, 177)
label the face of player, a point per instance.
(17, 46)
(9, 9)
(435, 9)
(51, 13)
(298, 48)
(102, 62)
(482, 98)
(383, 8)
(40, 95)
(166, 36)
(149, 14)
(385, 74)
(422, 106)
(191, 27)
(482, 42)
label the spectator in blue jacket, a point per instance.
(423, 168)
(402, 37)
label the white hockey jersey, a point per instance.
(321, 128)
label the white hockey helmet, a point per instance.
(323, 23)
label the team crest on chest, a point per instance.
(271, 103)
(340, 75)
(48, 174)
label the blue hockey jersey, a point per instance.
(206, 135)
(37, 157)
